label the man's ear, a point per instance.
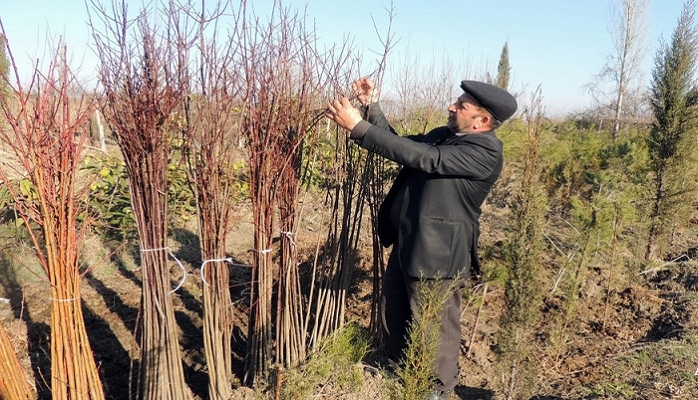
(486, 120)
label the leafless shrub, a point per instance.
(139, 71)
(43, 126)
(210, 128)
(287, 78)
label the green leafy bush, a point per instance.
(110, 199)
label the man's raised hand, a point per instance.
(365, 91)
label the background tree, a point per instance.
(503, 68)
(629, 26)
(423, 93)
(673, 134)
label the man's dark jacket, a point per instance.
(446, 178)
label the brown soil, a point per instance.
(653, 309)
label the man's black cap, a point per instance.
(500, 103)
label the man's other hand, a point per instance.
(343, 114)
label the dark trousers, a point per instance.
(399, 302)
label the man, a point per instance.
(430, 215)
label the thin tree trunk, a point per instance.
(654, 217)
(612, 266)
(477, 321)
(100, 131)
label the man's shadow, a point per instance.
(471, 393)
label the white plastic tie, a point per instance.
(184, 271)
(290, 236)
(156, 249)
(203, 266)
(63, 300)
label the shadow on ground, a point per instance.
(471, 393)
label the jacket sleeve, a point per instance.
(474, 156)
(374, 116)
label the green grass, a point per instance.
(18, 261)
(660, 369)
(336, 363)
(615, 390)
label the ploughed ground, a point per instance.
(641, 343)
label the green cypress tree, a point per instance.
(517, 369)
(503, 68)
(672, 137)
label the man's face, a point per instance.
(465, 115)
